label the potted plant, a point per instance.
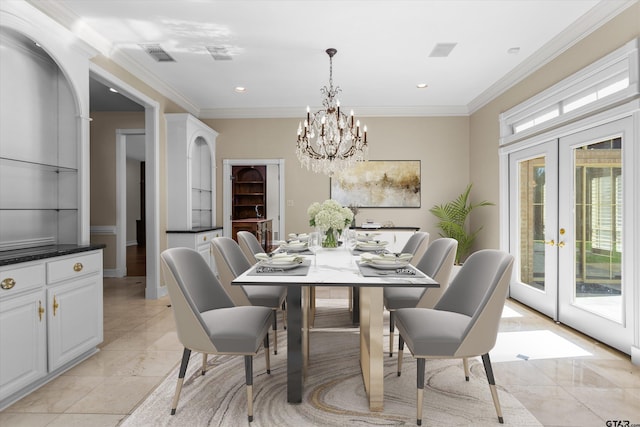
(452, 218)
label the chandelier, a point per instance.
(329, 140)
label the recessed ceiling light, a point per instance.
(421, 85)
(113, 90)
(513, 50)
(240, 89)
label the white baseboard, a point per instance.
(114, 272)
(132, 243)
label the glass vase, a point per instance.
(330, 239)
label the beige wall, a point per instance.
(484, 125)
(441, 143)
(103, 173)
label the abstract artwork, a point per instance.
(378, 184)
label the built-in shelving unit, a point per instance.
(249, 191)
(191, 173)
(39, 149)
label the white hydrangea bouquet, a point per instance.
(331, 218)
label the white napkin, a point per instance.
(373, 244)
(298, 237)
(279, 258)
(295, 244)
(386, 258)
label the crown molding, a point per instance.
(150, 79)
(298, 113)
(73, 23)
(600, 14)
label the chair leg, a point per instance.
(248, 370)
(284, 315)
(392, 328)
(204, 363)
(275, 332)
(183, 370)
(420, 393)
(465, 364)
(400, 352)
(312, 304)
(267, 357)
(492, 386)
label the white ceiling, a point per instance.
(278, 49)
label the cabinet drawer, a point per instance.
(73, 267)
(204, 238)
(15, 280)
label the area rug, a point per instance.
(333, 392)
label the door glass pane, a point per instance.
(598, 222)
(532, 216)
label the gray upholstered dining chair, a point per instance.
(250, 245)
(416, 245)
(231, 262)
(436, 263)
(463, 323)
(207, 320)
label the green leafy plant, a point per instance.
(453, 217)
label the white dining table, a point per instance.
(335, 267)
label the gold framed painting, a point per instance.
(378, 184)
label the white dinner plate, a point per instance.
(388, 264)
(371, 246)
(365, 237)
(297, 247)
(285, 265)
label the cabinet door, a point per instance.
(23, 341)
(74, 316)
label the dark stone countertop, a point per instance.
(17, 256)
(196, 230)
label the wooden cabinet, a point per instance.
(261, 228)
(50, 319)
(249, 192)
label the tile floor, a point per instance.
(575, 381)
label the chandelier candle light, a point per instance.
(328, 140)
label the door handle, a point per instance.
(561, 244)
(550, 242)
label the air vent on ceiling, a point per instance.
(157, 52)
(219, 53)
(442, 50)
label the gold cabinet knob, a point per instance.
(77, 267)
(40, 310)
(7, 283)
(55, 305)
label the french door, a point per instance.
(567, 226)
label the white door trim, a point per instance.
(154, 289)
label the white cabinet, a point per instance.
(190, 172)
(199, 241)
(74, 315)
(51, 318)
(23, 341)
